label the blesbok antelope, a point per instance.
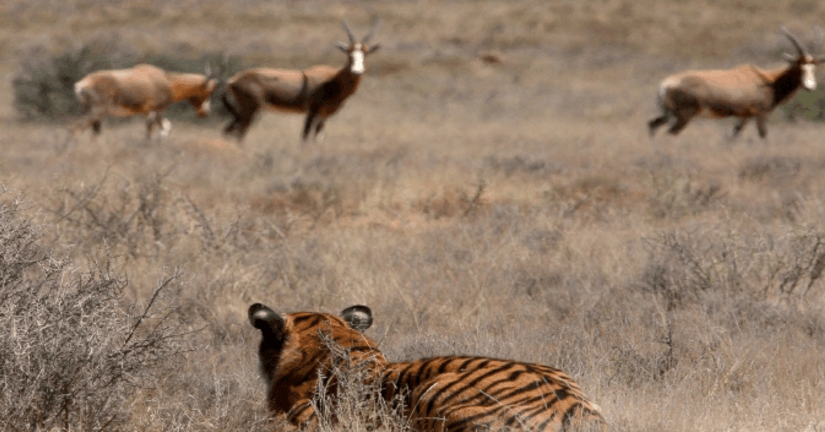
(318, 91)
(744, 92)
(142, 89)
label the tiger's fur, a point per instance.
(453, 393)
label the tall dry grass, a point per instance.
(513, 209)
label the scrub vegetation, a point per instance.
(491, 189)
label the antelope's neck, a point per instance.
(786, 82)
(348, 80)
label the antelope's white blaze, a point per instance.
(808, 77)
(358, 59)
(205, 106)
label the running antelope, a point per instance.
(142, 89)
(744, 92)
(318, 91)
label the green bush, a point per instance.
(806, 105)
(44, 83)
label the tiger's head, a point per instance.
(297, 346)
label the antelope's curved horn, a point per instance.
(210, 74)
(794, 41)
(370, 33)
(349, 32)
(817, 39)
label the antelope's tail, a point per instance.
(83, 95)
(229, 106)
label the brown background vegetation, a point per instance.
(490, 189)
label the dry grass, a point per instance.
(512, 208)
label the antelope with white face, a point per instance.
(142, 89)
(744, 92)
(318, 91)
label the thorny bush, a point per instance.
(71, 346)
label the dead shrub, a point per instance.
(677, 196)
(317, 201)
(511, 165)
(348, 398)
(134, 219)
(770, 168)
(766, 267)
(451, 202)
(71, 348)
(636, 367)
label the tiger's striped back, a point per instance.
(468, 393)
(439, 394)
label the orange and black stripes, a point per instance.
(454, 393)
(459, 393)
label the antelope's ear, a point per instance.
(343, 46)
(374, 48)
(266, 320)
(359, 317)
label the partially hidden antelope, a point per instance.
(744, 92)
(319, 91)
(142, 89)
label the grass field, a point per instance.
(513, 208)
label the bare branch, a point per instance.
(148, 307)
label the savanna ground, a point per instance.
(491, 189)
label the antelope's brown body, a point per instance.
(453, 393)
(745, 92)
(319, 91)
(143, 89)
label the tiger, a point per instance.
(438, 394)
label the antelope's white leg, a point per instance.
(165, 128)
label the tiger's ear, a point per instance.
(359, 317)
(266, 320)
